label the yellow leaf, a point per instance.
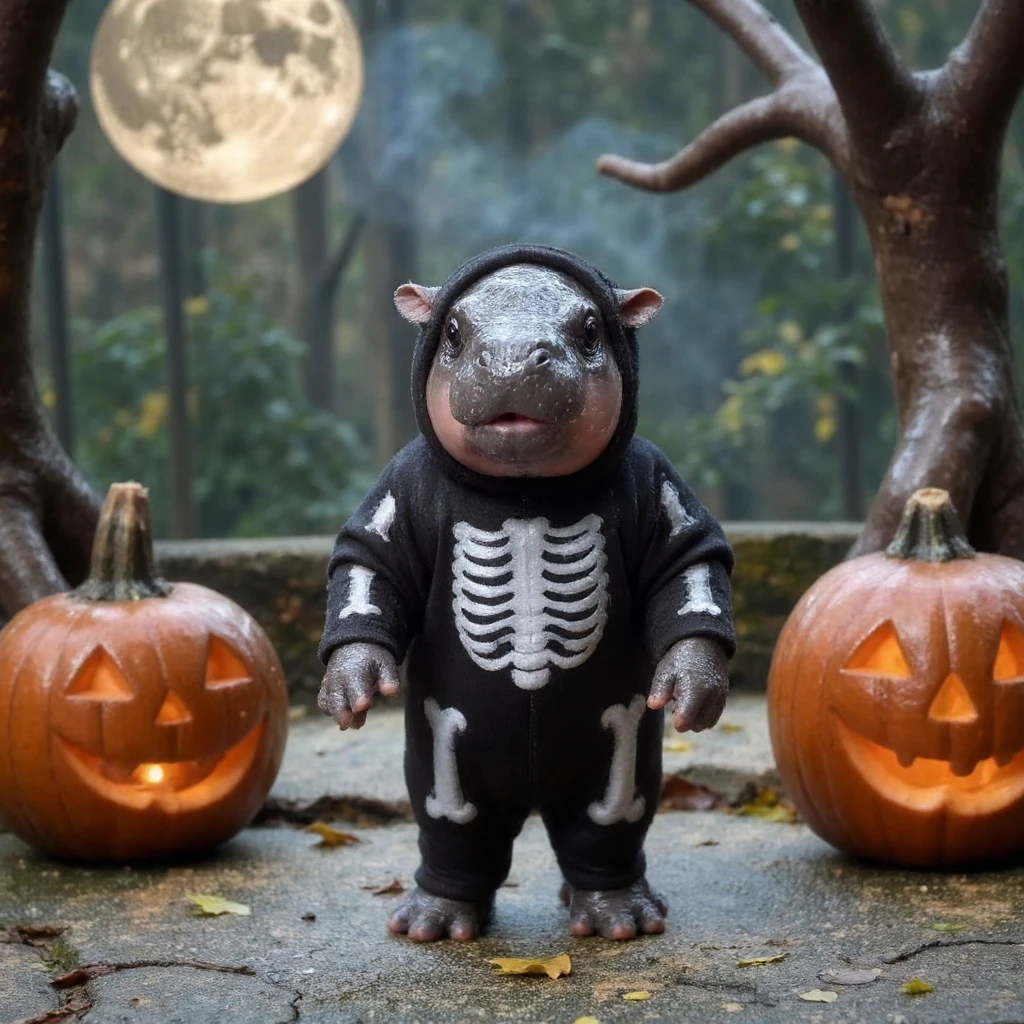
(636, 997)
(760, 961)
(586, 1020)
(916, 987)
(787, 243)
(197, 306)
(331, 836)
(767, 362)
(730, 414)
(674, 746)
(49, 397)
(553, 967)
(790, 332)
(816, 995)
(730, 727)
(822, 213)
(942, 926)
(769, 806)
(787, 145)
(152, 414)
(732, 1007)
(213, 906)
(824, 429)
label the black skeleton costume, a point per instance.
(531, 613)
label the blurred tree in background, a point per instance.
(480, 125)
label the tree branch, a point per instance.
(875, 90)
(986, 71)
(760, 36)
(327, 284)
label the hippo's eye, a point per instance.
(591, 335)
(453, 334)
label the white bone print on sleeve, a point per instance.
(359, 603)
(446, 799)
(383, 518)
(621, 801)
(699, 598)
(679, 519)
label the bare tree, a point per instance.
(47, 511)
(920, 153)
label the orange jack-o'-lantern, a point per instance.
(896, 699)
(138, 719)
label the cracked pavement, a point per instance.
(318, 951)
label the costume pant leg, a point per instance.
(598, 822)
(464, 798)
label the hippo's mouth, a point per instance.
(514, 423)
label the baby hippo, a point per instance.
(551, 584)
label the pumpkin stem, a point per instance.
(123, 567)
(930, 530)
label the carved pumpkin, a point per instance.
(138, 719)
(896, 699)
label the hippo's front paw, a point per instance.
(616, 913)
(427, 918)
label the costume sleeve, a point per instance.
(376, 578)
(686, 563)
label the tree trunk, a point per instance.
(47, 511)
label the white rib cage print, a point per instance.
(530, 595)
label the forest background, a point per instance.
(765, 377)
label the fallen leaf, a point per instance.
(706, 842)
(679, 794)
(760, 961)
(553, 967)
(769, 806)
(636, 997)
(916, 987)
(586, 1020)
(676, 746)
(213, 906)
(850, 976)
(392, 888)
(732, 1007)
(730, 727)
(943, 926)
(816, 995)
(296, 713)
(309, 916)
(331, 837)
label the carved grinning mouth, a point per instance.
(170, 787)
(927, 784)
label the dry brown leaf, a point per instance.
(707, 842)
(760, 961)
(392, 888)
(553, 967)
(916, 987)
(331, 837)
(636, 997)
(679, 794)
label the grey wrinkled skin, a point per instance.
(615, 913)
(522, 352)
(694, 673)
(427, 918)
(355, 674)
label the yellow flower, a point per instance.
(825, 427)
(787, 243)
(822, 213)
(49, 398)
(790, 332)
(730, 414)
(153, 413)
(197, 305)
(766, 362)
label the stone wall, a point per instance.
(282, 583)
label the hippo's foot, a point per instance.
(615, 913)
(427, 918)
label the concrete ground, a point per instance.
(315, 949)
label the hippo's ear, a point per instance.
(639, 306)
(414, 301)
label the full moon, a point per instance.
(227, 101)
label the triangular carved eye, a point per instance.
(99, 678)
(1009, 665)
(223, 666)
(880, 655)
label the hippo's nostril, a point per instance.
(484, 359)
(539, 357)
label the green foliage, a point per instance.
(264, 460)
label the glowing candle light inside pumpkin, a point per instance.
(152, 773)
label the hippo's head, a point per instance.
(524, 381)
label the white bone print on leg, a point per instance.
(679, 519)
(621, 801)
(698, 591)
(530, 595)
(358, 603)
(446, 799)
